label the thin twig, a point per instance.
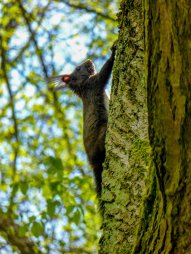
(89, 10)
(43, 12)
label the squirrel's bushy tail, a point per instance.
(98, 168)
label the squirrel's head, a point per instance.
(83, 71)
(76, 78)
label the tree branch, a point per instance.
(11, 230)
(33, 38)
(14, 118)
(43, 12)
(57, 105)
(88, 9)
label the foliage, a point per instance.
(47, 194)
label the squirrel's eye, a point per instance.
(78, 68)
(90, 69)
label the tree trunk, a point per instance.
(166, 226)
(127, 146)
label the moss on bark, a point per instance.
(165, 226)
(127, 146)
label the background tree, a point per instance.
(165, 226)
(46, 190)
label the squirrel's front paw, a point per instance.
(114, 46)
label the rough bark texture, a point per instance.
(166, 224)
(127, 146)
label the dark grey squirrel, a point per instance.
(90, 87)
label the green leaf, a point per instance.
(81, 210)
(51, 207)
(23, 230)
(37, 229)
(70, 209)
(55, 162)
(32, 218)
(77, 217)
(24, 187)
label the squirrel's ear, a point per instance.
(59, 81)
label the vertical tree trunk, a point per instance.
(127, 138)
(166, 226)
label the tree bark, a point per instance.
(166, 222)
(127, 146)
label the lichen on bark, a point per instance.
(165, 226)
(127, 147)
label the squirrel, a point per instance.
(90, 87)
